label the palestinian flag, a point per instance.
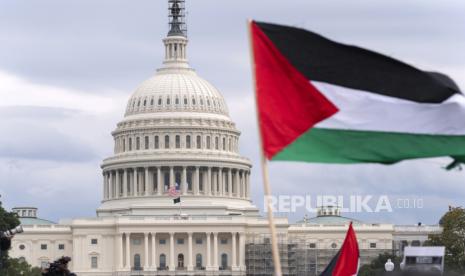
(322, 101)
(347, 260)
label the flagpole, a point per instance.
(264, 165)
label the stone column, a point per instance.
(184, 180)
(220, 182)
(241, 250)
(233, 249)
(215, 250)
(128, 251)
(146, 180)
(154, 251)
(209, 260)
(134, 183)
(230, 183)
(118, 184)
(197, 181)
(104, 185)
(236, 183)
(159, 184)
(119, 248)
(146, 251)
(171, 177)
(247, 185)
(172, 263)
(125, 183)
(110, 184)
(190, 266)
(208, 184)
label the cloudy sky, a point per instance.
(68, 67)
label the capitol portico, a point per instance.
(177, 131)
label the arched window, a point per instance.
(177, 101)
(224, 260)
(162, 261)
(146, 142)
(208, 102)
(137, 143)
(193, 101)
(224, 143)
(216, 143)
(138, 103)
(124, 144)
(145, 102)
(168, 101)
(230, 145)
(137, 265)
(198, 261)
(157, 142)
(201, 101)
(208, 142)
(178, 141)
(185, 101)
(130, 144)
(167, 141)
(188, 141)
(151, 101)
(159, 101)
(199, 142)
(180, 261)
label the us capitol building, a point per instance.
(177, 129)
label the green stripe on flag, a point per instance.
(350, 146)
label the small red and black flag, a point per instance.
(346, 261)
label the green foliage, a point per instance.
(8, 220)
(376, 267)
(17, 267)
(453, 238)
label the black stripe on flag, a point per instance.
(329, 269)
(177, 200)
(320, 59)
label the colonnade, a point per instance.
(210, 242)
(193, 180)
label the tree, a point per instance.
(8, 220)
(453, 238)
(376, 267)
(17, 267)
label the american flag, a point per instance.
(174, 190)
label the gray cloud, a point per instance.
(108, 47)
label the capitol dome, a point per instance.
(176, 140)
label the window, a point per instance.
(185, 101)
(198, 261)
(180, 241)
(61, 246)
(157, 142)
(124, 144)
(159, 101)
(162, 241)
(145, 102)
(93, 262)
(312, 245)
(333, 245)
(146, 146)
(208, 102)
(43, 247)
(162, 261)
(193, 101)
(216, 143)
(208, 142)
(224, 260)
(177, 178)
(151, 101)
(130, 144)
(201, 181)
(177, 101)
(167, 142)
(224, 143)
(224, 241)
(201, 101)
(199, 142)
(178, 141)
(416, 243)
(198, 241)
(372, 245)
(93, 241)
(138, 103)
(137, 265)
(44, 264)
(22, 247)
(167, 101)
(180, 260)
(189, 180)
(136, 241)
(137, 143)
(166, 181)
(188, 141)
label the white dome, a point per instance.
(176, 90)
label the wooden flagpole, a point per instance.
(264, 164)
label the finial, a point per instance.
(177, 17)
